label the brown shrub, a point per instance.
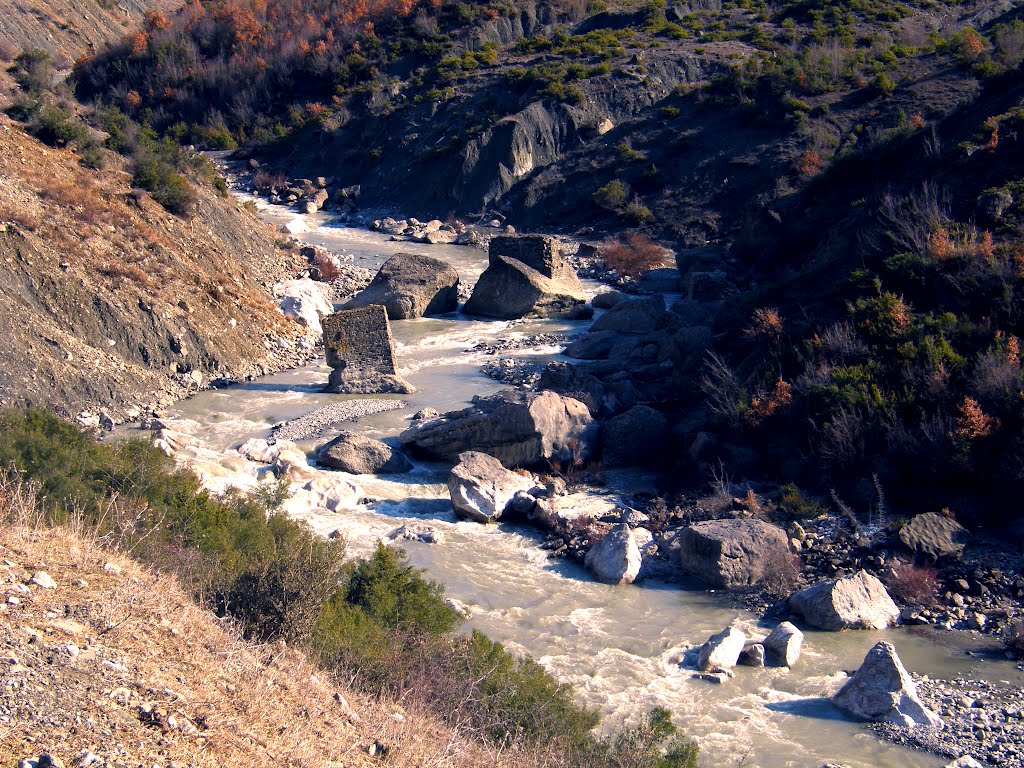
(914, 584)
(265, 181)
(634, 255)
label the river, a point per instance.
(619, 646)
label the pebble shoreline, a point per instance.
(982, 719)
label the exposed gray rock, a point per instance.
(934, 536)
(593, 346)
(783, 644)
(721, 651)
(752, 655)
(481, 488)
(730, 553)
(510, 289)
(360, 455)
(409, 285)
(883, 690)
(517, 428)
(859, 601)
(637, 436)
(615, 559)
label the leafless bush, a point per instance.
(1013, 637)
(782, 572)
(842, 438)
(721, 388)
(840, 342)
(265, 181)
(996, 375)
(1009, 45)
(910, 220)
(914, 584)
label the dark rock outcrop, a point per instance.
(409, 285)
(635, 437)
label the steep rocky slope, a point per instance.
(109, 300)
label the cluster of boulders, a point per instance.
(434, 232)
(307, 195)
(725, 650)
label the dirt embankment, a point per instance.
(107, 300)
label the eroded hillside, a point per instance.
(109, 300)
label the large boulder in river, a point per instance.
(360, 455)
(616, 558)
(520, 429)
(783, 644)
(730, 553)
(852, 602)
(482, 489)
(933, 536)
(510, 289)
(882, 690)
(409, 285)
(637, 436)
(722, 650)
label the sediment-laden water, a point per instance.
(620, 646)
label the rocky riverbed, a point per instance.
(982, 719)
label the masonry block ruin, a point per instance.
(539, 252)
(359, 349)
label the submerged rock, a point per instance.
(730, 553)
(360, 455)
(482, 489)
(616, 558)
(783, 644)
(752, 656)
(722, 650)
(853, 602)
(883, 690)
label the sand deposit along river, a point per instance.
(620, 646)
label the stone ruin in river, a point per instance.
(359, 349)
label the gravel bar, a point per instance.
(315, 423)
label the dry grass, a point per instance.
(152, 678)
(634, 255)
